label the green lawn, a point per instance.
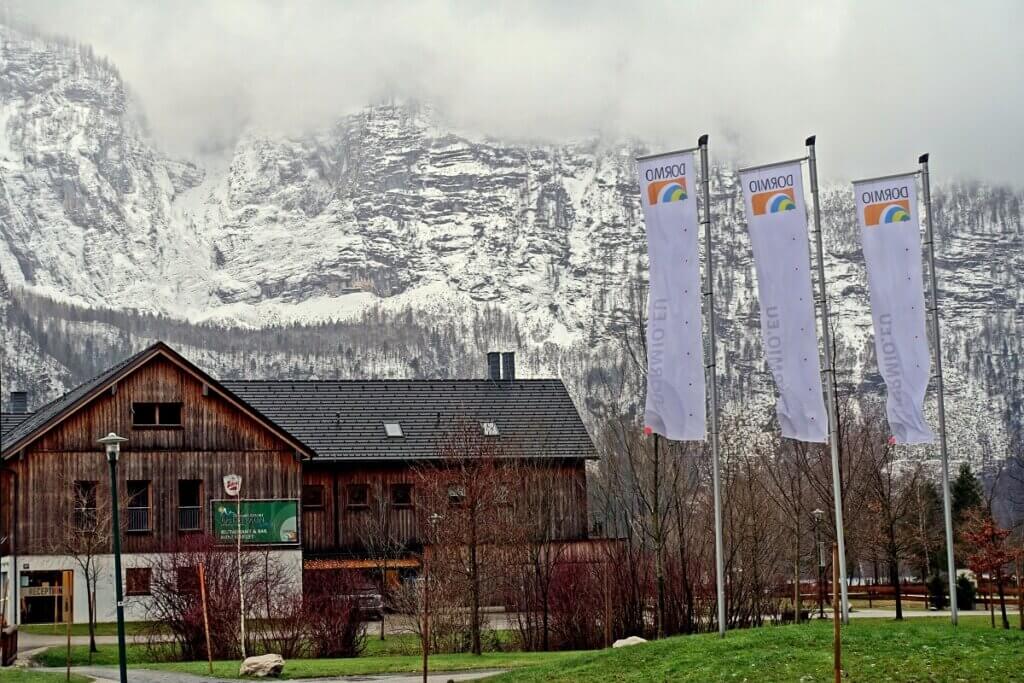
(873, 650)
(29, 676)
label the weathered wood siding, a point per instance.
(215, 439)
(338, 528)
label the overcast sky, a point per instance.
(878, 82)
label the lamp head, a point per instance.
(435, 519)
(113, 444)
(818, 514)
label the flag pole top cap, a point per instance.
(923, 159)
(810, 140)
(702, 140)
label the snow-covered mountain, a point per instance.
(389, 215)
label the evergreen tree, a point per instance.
(966, 492)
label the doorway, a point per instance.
(42, 595)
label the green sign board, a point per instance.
(262, 521)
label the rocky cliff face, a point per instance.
(388, 210)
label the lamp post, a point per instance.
(113, 442)
(433, 519)
(818, 513)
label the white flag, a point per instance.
(675, 356)
(890, 230)
(777, 220)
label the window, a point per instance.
(85, 505)
(401, 495)
(489, 428)
(138, 510)
(137, 580)
(156, 414)
(312, 497)
(456, 494)
(393, 429)
(190, 504)
(358, 496)
(188, 580)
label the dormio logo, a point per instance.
(776, 201)
(889, 205)
(664, 191)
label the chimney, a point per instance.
(508, 366)
(493, 366)
(19, 402)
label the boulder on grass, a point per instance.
(262, 666)
(626, 642)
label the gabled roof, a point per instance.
(47, 417)
(9, 421)
(344, 420)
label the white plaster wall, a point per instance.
(135, 607)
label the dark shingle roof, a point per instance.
(9, 421)
(345, 419)
(57, 406)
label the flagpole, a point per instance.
(830, 390)
(709, 275)
(947, 512)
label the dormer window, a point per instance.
(156, 414)
(393, 430)
(490, 428)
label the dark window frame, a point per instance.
(198, 508)
(317, 504)
(407, 500)
(456, 495)
(364, 504)
(130, 507)
(173, 409)
(131, 589)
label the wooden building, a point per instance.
(340, 452)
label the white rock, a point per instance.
(626, 642)
(262, 666)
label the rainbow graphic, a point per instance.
(882, 213)
(894, 213)
(664, 191)
(780, 202)
(773, 202)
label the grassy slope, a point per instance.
(399, 653)
(873, 650)
(28, 676)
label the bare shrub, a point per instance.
(335, 623)
(176, 607)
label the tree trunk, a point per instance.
(894, 578)
(90, 599)
(1002, 598)
(474, 623)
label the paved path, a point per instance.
(104, 674)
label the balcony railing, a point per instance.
(138, 519)
(85, 519)
(190, 518)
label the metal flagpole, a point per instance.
(830, 390)
(946, 508)
(709, 276)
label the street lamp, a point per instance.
(434, 519)
(113, 445)
(818, 514)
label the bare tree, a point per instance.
(380, 540)
(84, 532)
(469, 485)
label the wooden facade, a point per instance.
(214, 438)
(336, 526)
(213, 433)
